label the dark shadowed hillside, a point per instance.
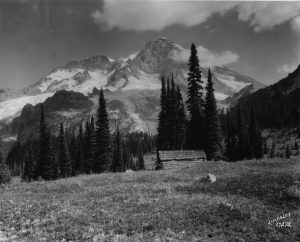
(277, 106)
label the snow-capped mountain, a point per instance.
(132, 83)
(139, 71)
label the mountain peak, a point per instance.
(162, 43)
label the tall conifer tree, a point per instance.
(5, 176)
(173, 111)
(195, 102)
(46, 163)
(29, 164)
(118, 162)
(243, 142)
(230, 141)
(87, 148)
(126, 157)
(141, 162)
(162, 118)
(79, 160)
(255, 137)
(103, 158)
(180, 122)
(64, 158)
(212, 122)
(92, 140)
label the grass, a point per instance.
(174, 205)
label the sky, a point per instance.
(258, 39)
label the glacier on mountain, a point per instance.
(12, 107)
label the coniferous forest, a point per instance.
(222, 134)
(90, 149)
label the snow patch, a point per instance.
(111, 60)
(230, 82)
(58, 75)
(138, 122)
(124, 63)
(130, 57)
(220, 96)
(98, 79)
(63, 79)
(12, 107)
(120, 83)
(8, 139)
(143, 82)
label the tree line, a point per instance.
(92, 149)
(241, 134)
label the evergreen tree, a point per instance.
(255, 137)
(126, 158)
(92, 123)
(195, 133)
(52, 151)
(72, 146)
(288, 152)
(118, 162)
(141, 162)
(29, 164)
(272, 151)
(79, 160)
(265, 148)
(87, 148)
(64, 159)
(180, 122)
(212, 122)
(168, 119)
(46, 163)
(5, 176)
(173, 111)
(231, 142)
(242, 151)
(162, 138)
(103, 159)
(132, 164)
(92, 146)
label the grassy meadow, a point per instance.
(166, 205)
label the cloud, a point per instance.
(266, 15)
(295, 23)
(155, 15)
(286, 68)
(207, 58)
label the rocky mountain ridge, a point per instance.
(132, 86)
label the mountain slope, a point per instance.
(141, 70)
(132, 84)
(278, 105)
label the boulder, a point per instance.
(211, 178)
(129, 171)
(292, 192)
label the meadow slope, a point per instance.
(166, 205)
